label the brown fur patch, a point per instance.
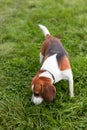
(48, 92)
(64, 63)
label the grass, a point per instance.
(20, 41)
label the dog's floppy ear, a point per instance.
(48, 92)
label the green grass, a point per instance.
(20, 41)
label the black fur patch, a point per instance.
(55, 47)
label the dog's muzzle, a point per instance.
(36, 100)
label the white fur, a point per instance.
(36, 100)
(41, 57)
(32, 87)
(71, 88)
(51, 65)
(44, 29)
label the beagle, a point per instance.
(55, 67)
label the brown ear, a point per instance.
(48, 93)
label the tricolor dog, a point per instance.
(55, 67)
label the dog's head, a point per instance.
(42, 89)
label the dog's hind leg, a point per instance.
(41, 57)
(71, 88)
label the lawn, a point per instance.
(20, 42)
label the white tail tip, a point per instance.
(44, 29)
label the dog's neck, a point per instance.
(47, 74)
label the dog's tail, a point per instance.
(44, 29)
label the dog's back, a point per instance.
(53, 46)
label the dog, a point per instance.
(55, 67)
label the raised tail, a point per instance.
(45, 30)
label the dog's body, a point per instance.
(55, 67)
